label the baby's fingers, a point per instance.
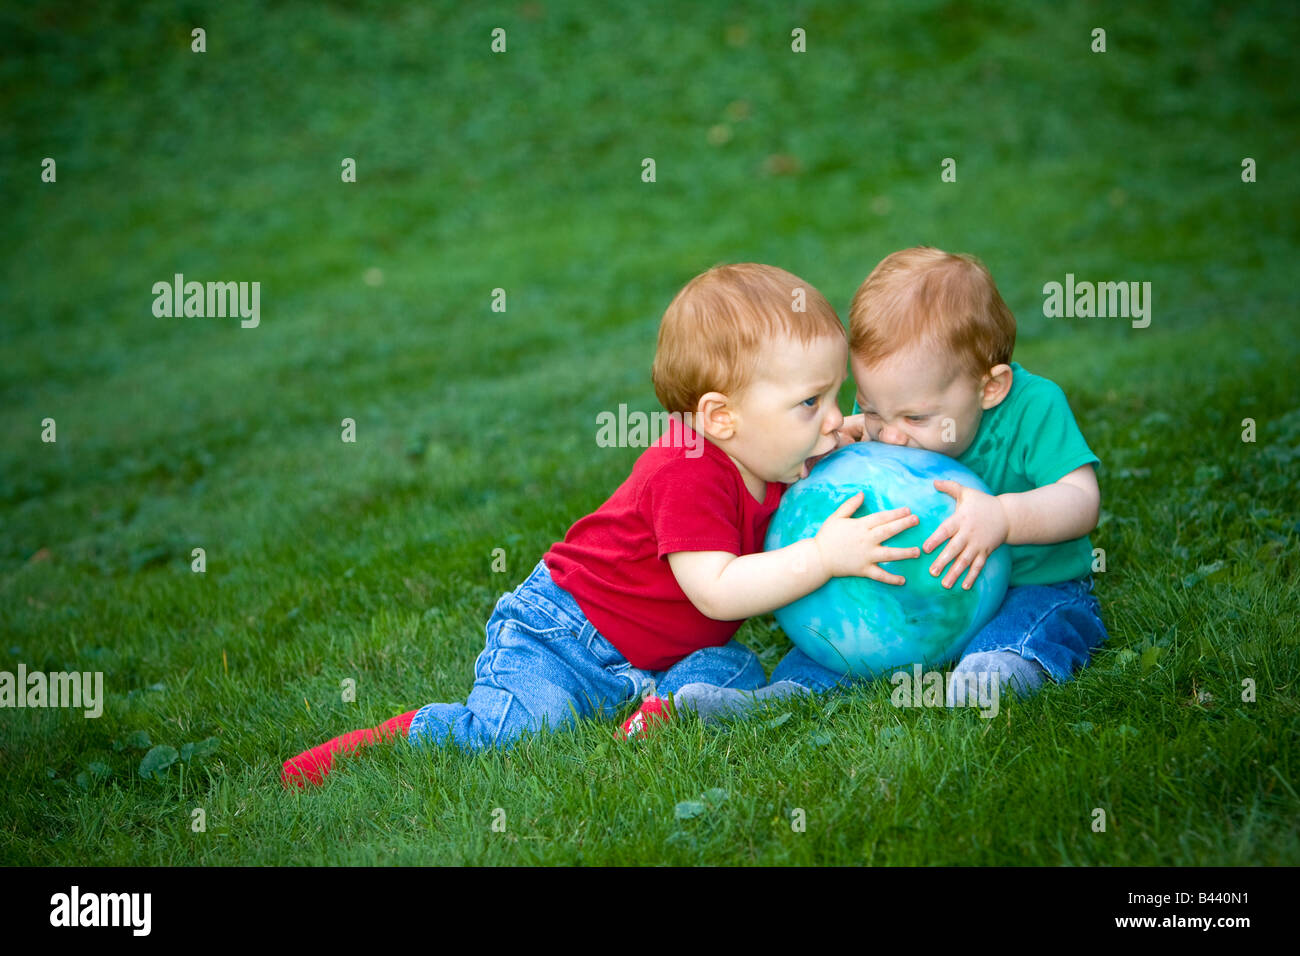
(887, 530)
(974, 573)
(941, 534)
(880, 517)
(849, 506)
(897, 554)
(854, 427)
(877, 573)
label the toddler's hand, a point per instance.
(853, 430)
(852, 546)
(977, 528)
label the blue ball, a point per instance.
(854, 625)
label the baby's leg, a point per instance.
(732, 665)
(797, 667)
(544, 666)
(796, 675)
(310, 766)
(971, 681)
(712, 703)
(719, 682)
(1041, 630)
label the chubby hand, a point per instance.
(853, 546)
(975, 530)
(852, 431)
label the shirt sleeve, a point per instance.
(1052, 442)
(691, 506)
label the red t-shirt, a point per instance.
(614, 562)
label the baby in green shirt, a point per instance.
(930, 343)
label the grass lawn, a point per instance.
(372, 561)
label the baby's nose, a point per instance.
(892, 436)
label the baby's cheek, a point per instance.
(947, 437)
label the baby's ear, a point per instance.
(714, 416)
(996, 387)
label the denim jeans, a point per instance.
(1055, 625)
(545, 665)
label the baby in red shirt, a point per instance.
(645, 593)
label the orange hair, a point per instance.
(714, 329)
(938, 300)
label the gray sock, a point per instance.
(711, 702)
(1014, 672)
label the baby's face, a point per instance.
(911, 398)
(789, 412)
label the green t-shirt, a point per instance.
(1030, 440)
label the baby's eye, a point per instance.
(917, 419)
(812, 402)
(871, 414)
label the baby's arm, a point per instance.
(727, 587)
(1062, 511)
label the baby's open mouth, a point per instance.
(810, 463)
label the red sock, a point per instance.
(312, 765)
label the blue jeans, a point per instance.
(1055, 625)
(545, 665)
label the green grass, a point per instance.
(476, 430)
